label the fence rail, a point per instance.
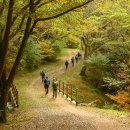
(68, 91)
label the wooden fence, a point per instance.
(68, 91)
(14, 95)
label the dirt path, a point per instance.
(59, 114)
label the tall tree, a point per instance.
(23, 19)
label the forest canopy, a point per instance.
(33, 32)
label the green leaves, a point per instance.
(32, 55)
(98, 60)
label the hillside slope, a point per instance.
(40, 112)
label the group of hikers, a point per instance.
(46, 83)
(73, 60)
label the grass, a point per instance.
(22, 85)
(24, 79)
(87, 93)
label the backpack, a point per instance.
(47, 82)
(55, 84)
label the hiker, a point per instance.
(79, 54)
(76, 58)
(55, 87)
(66, 64)
(72, 61)
(46, 85)
(42, 73)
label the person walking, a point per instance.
(43, 75)
(66, 64)
(79, 55)
(46, 85)
(54, 87)
(72, 61)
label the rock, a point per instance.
(10, 107)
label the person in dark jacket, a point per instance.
(72, 61)
(46, 85)
(79, 54)
(66, 64)
(43, 75)
(54, 87)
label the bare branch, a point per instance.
(65, 12)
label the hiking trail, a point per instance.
(59, 114)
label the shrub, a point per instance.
(96, 68)
(122, 98)
(73, 41)
(32, 55)
(49, 50)
(112, 85)
(111, 106)
(116, 52)
(99, 61)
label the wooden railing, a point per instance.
(14, 95)
(68, 91)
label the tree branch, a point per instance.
(23, 9)
(19, 12)
(65, 12)
(33, 26)
(42, 4)
(38, 1)
(2, 7)
(19, 27)
(22, 46)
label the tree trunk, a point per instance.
(82, 47)
(85, 47)
(3, 98)
(82, 73)
(21, 49)
(5, 40)
(6, 83)
(85, 52)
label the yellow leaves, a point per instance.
(73, 39)
(122, 98)
(90, 26)
(46, 48)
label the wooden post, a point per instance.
(71, 93)
(14, 88)
(66, 91)
(17, 99)
(76, 96)
(63, 87)
(59, 85)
